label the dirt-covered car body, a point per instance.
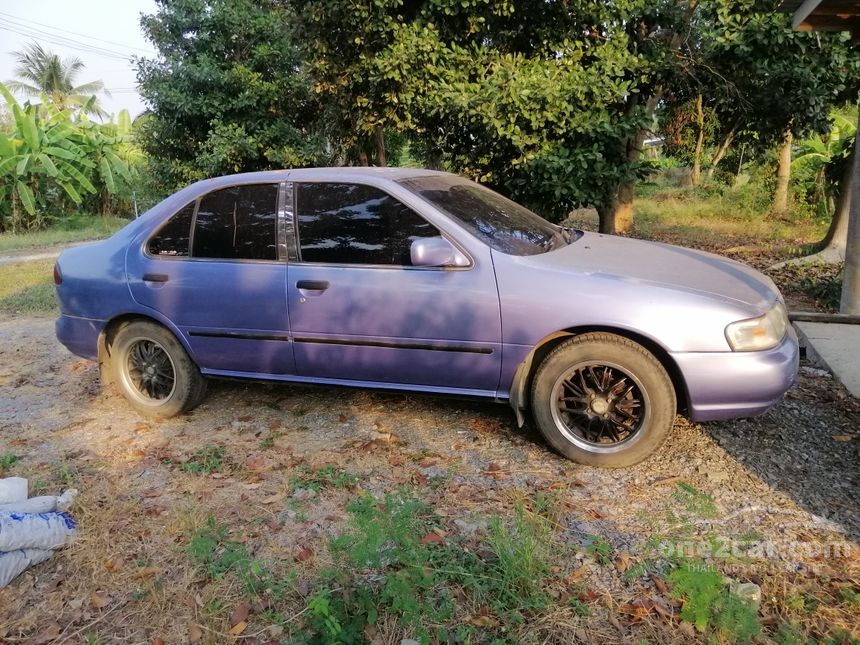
(388, 278)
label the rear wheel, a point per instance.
(153, 371)
(603, 400)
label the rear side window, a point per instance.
(172, 239)
(356, 224)
(238, 223)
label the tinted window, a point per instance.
(504, 225)
(355, 224)
(238, 223)
(172, 239)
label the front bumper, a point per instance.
(80, 335)
(727, 385)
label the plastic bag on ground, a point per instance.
(44, 504)
(13, 563)
(13, 489)
(35, 530)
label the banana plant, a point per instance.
(39, 153)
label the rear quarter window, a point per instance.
(172, 238)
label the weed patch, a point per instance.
(710, 606)
(6, 462)
(396, 561)
(695, 500)
(325, 477)
(217, 555)
(209, 459)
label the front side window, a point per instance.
(172, 238)
(238, 223)
(502, 224)
(356, 224)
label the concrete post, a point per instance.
(850, 303)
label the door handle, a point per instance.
(313, 285)
(155, 277)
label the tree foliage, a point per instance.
(227, 93)
(547, 101)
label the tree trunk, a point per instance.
(721, 150)
(850, 303)
(837, 234)
(696, 172)
(606, 215)
(783, 175)
(380, 146)
(622, 204)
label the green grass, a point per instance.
(75, 228)
(6, 462)
(718, 216)
(27, 288)
(209, 459)
(325, 477)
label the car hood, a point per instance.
(664, 265)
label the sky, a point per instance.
(104, 34)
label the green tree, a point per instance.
(227, 92)
(540, 99)
(767, 84)
(41, 72)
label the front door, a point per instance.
(360, 311)
(213, 270)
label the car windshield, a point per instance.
(504, 225)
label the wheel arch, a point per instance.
(109, 331)
(521, 385)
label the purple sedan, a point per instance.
(418, 280)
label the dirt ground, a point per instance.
(787, 481)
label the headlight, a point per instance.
(760, 333)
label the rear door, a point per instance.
(360, 311)
(214, 269)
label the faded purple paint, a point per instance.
(487, 317)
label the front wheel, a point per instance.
(603, 400)
(153, 371)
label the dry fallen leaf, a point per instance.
(195, 633)
(238, 628)
(240, 613)
(304, 554)
(622, 561)
(145, 572)
(432, 538)
(484, 621)
(661, 586)
(99, 600)
(50, 633)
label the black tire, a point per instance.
(153, 371)
(623, 400)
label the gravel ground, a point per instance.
(787, 478)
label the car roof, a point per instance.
(336, 173)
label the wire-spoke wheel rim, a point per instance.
(600, 406)
(149, 372)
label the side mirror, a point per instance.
(436, 252)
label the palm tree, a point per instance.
(40, 71)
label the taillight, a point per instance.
(58, 277)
